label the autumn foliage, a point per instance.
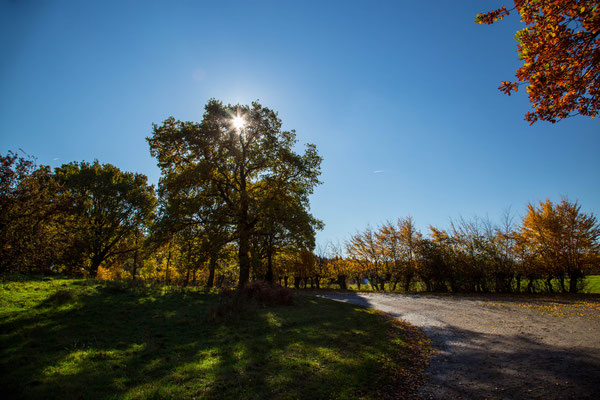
(552, 249)
(51, 224)
(560, 50)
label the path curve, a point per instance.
(501, 347)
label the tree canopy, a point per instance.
(564, 239)
(238, 167)
(30, 213)
(108, 205)
(560, 50)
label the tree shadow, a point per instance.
(115, 343)
(473, 365)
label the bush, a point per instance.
(233, 303)
(265, 293)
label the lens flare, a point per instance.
(238, 122)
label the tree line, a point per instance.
(232, 205)
(233, 192)
(552, 249)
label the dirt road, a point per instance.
(502, 347)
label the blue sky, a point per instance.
(400, 98)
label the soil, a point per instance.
(501, 347)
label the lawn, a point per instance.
(87, 339)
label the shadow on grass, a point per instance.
(109, 341)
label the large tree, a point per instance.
(560, 50)
(229, 163)
(108, 206)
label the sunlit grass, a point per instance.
(592, 284)
(107, 340)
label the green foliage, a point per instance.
(71, 220)
(236, 169)
(31, 215)
(109, 208)
(122, 340)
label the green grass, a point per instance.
(70, 338)
(592, 284)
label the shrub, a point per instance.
(234, 303)
(267, 294)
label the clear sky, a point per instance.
(400, 97)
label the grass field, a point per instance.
(591, 285)
(69, 338)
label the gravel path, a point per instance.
(502, 347)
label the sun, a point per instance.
(238, 122)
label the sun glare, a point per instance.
(238, 122)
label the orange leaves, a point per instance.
(560, 49)
(560, 308)
(508, 87)
(492, 16)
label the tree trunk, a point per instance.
(561, 279)
(269, 276)
(243, 229)
(243, 258)
(212, 263)
(407, 283)
(135, 262)
(342, 282)
(373, 283)
(530, 285)
(168, 265)
(96, 261)
(574, 280)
